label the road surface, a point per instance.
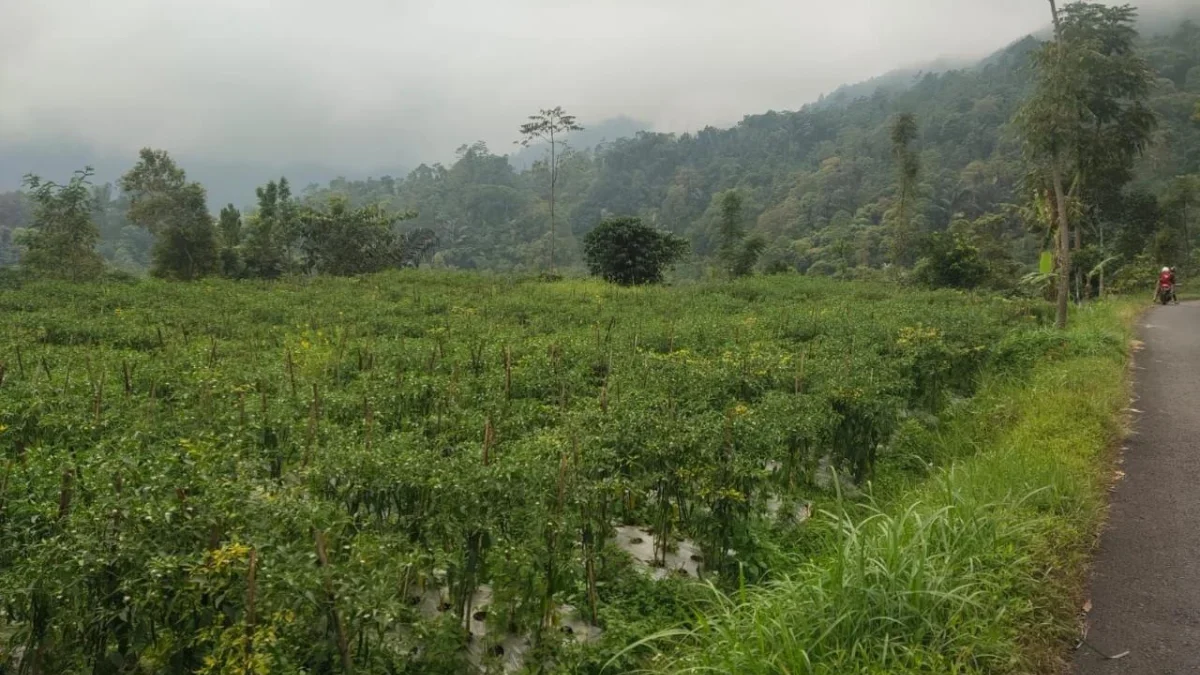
(1145, 589)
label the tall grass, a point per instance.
(975, 571)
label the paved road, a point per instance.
(1146, 586)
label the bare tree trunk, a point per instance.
(553, 185)
(1064, 246)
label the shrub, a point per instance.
(625, 251)
(950, 261)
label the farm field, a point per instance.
(436, 473)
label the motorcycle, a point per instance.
(1166, 294)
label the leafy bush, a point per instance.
(951, 261)
(625, 251)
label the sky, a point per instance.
(370, 83)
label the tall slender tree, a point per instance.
(272, 232)
(736, 253)
(908, 170)
(551, 128)
(229, 224)
(1087, 119)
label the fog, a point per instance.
(383, 83)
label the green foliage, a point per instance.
(62, 241)
(15, 214)
(174, 212)
(627, 252)
(951, 261)
(229, 225)
(908, 170)
(964, 573)
(439, 432)
(343, 241)
(270, 231)
(736, 253)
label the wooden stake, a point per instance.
(368, 419)
(489, 439)
(64, 493)
(291, 368)
(312, 426)
(251, 579)
(342, 643)
(98, 400)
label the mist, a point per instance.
(363, 85)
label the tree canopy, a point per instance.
(626, 251)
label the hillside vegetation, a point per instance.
(818, 184)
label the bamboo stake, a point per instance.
(64, 494)
(291, 368)
(342, 643)
(507, 372)
(368, 419)
(251, 591)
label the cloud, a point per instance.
(362, 83)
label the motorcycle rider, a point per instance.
(1166, 282)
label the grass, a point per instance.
(977, 570)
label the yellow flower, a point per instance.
(3, 428)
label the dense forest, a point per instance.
(818, 187)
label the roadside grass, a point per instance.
(978, 569)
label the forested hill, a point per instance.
(817, 184)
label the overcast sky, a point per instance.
(394, 82)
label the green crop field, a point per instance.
(430, 473)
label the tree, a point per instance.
(265, 252)
(627, 252)
(908, 170)
(1087, 118)
(1180, 202)
(62, 242)
(14, 215)
(340, 240)
(229, 224)
(951, 261)
(736, 253)
(174, 211)
(549, 126)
